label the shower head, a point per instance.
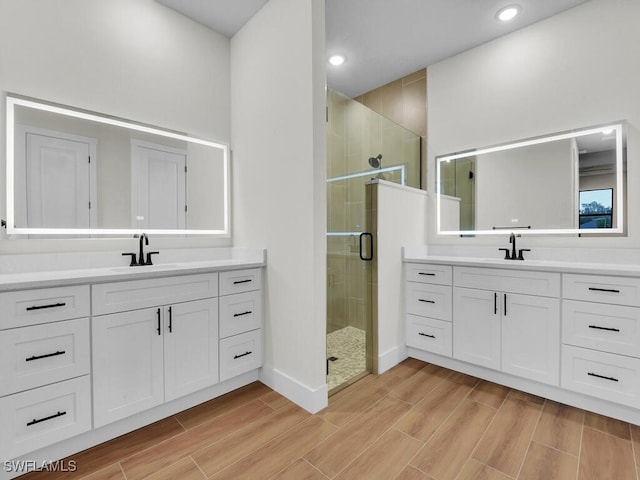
(376, 162)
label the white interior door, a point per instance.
(158, 186)
(58, 187)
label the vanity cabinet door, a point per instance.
(476, 327)
(531, 337)
(127, 364)
(190, 347)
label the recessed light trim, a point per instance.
(508, 13)
(337, 60)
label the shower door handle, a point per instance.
(370, 236)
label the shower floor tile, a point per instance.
(348, 346)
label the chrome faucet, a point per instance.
(513, 255)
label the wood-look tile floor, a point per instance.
(414, 422)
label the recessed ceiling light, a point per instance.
(508, 13)
(337, 60)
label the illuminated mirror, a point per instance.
(564, 183)
(71, 172)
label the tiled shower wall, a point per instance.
(354, 134)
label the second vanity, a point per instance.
(89, 354)
(565, 331)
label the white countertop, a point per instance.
(20, 280)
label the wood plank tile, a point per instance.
(607, 425)
(335, 453)
(207, 411)
(489, 393)
(280, 452)
(635, 437)
(166, 453)
(560, 426)
(505, 444)
(605, 456)
(546, 463)
(463, 378)
(112, 472)
(412, 473)
(447, 451)
(428, 414)
(185, 469)
(384, 459)
(420, 384)
(275, 400)
(474, 470)
(223, 453)
(527, 396)
(300, 470)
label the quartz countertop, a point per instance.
(20, 280)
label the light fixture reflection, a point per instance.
(508, 13)
(337, 60)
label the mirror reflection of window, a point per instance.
(596, 208)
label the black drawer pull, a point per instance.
(248, 312)
(426, 335)
(602, 376)
(426, 301)
(38, 357)
(170, 320)
(158, 328)
(242, 355)
(428, 274)
(40, 307)
(610, 290)
(242, 281)
(608, 329)
(50, 417)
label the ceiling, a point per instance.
(384, 40)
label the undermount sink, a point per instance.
(147, 268)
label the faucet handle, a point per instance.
(133, 258)
(520, 257)
(149, 262)
(506, 253)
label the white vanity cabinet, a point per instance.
(508, 320)
(45, 393)
(143, 357)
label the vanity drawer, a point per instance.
(36, 418)
(609, 328)
(429, 300)
(240, 313)
(544, 284)
(31, 307)
(240, 353)
(136, 294)
(604, 375)
(428, 273)
(43, 354)
(597, 288)
(429, 334)
(239, 281)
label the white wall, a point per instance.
(576, 69)
(134, 59)
(279, 159)
(394, 232)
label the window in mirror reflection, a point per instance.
(596, 208)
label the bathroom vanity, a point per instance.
(565, 331)
(89, 354)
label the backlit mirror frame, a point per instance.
(618, 127)
(13, 101)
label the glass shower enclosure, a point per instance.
(362, 147)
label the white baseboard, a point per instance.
(391, 358)
(311, 400)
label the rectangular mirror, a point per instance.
(563, 183)
(71, 172)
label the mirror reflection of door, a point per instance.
(158, 186)
(55, 184)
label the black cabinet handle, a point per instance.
(495, 303)
(370, 237)
(158, 329)
(426, 301)
(505, 304)
(38, 357)
(609, 329)
(40, 307)
(591, 374)
(248, 312)
(428, 274)
(426, 335)
(610, 290)
(237, 282)
(242, 355)
(170, 320)
(50, 417)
